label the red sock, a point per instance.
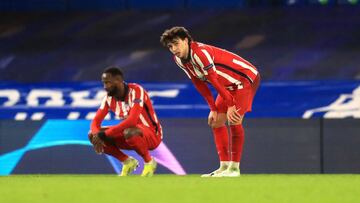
(237, 142)
(139, 144)
(221, 138)
(115, 152)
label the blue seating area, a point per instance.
(307, 43)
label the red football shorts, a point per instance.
(148, 135)
(243, 97)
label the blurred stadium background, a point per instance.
(306, 114)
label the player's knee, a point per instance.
(220, 121)
(238, 122)
(217, 125)
(129, 132)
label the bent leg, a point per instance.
(136, 140)
(244, 98)
(115, 152)
(220, 131)
(237, 142)
(112, 148)
(221, 137)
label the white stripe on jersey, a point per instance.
(244, 65)
(198, 61)
(144, 121)
(117, 109)
(109, 101)
(211, 61)
(141, 96)
(123, 108)
(130, 102)
(103, 102)
(155, 117)
(197, 71)
(195, 64)
(179, 63)
(192, 72)
(132, 97)
(228, 77)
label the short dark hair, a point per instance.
(114, 71)
(171, 34)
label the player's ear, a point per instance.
(187, 40)
(119, 79)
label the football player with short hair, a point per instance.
(235, 80)
(140, 129)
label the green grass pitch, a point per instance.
(179, 189)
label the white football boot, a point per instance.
(223, 166)
(232, 171)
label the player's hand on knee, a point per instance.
(90, 136)
(98, 144)
(233, 116)
(212, 118)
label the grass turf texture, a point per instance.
(173, 189)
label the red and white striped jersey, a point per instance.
(135, 109)
(217, 66)
(230, 68)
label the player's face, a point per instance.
(110, 84)
(179, 47)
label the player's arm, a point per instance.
(205, 59)
(99, 116)
(201, 87)
(232, 113)
(95, 127)
(212, 77)
(134, 114)
(205, 91)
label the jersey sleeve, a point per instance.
(99, 116)
(204, 59)
(204, 90)
(136, 107)
(212, 77)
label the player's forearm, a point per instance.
(96, 122)
(117, 130)
(229, 100)
(95, 126)
(129, 122)
(210, 100)
(204, 90)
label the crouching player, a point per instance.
(140, 129)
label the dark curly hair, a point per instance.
(171, 34)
